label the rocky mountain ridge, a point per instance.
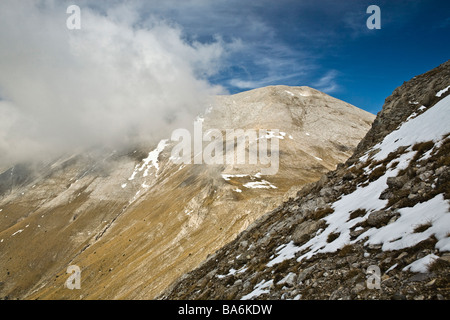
(377, 227)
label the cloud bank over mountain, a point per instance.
(142, 66)
(111, 83)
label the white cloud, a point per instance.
(113, 82)
(327, 83)
(264, 81)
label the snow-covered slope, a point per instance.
(386, 210)
(433, 126)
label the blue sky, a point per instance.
(138, 69)
(322, 44)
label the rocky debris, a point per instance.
(304, 230)
(358, 269)
(340, 275)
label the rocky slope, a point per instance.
(377, 227)
(135, 220)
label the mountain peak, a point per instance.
(125, 210)
(377, 227)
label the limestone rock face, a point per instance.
(135, 220)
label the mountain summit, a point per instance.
(134, 221)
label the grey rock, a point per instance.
(314, 203)
(419, 188)
(378, 218)
(327, 265)
(441, 170)
(358, 288)
(397, 182)
(386, 194)
(326, 192)
(402, 255)
(375, 246)
(238, 283)
(305, 273)
(303, 230)
(349, 176)
(419, 277)
(340, 294)
(446, 257)
(290, 280)
(413, 196)
(356, 233)
(243, 244)
(426, 175)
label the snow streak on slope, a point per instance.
(440, 93)
(259, 185)
(151, 161)
(433, 124)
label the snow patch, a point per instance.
(392, 268)
(440, 93)
(400, 234)
(227, 177)
(290, 93)
(285, 252)
(18, 231)
(260, 288)
(151, 161)
(259, 185)
(232, 272)
(422, 264)
(430, 125)
(271, 134)
(288, 278)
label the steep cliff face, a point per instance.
(377, 227)
(136, 220)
